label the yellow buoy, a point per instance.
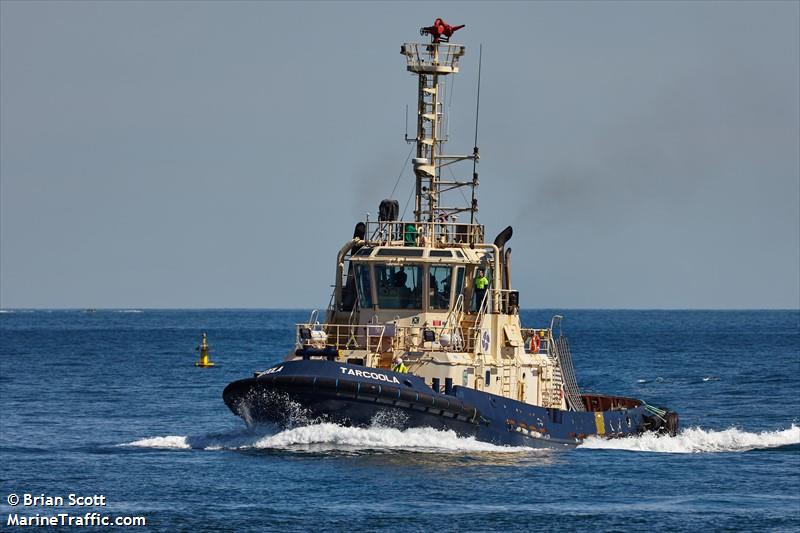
(204, 350)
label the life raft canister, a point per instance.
(536, 343)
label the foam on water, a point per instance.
(698, 440)
(170, 441)
(416, 439)
(327, 436)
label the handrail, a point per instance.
(545, 341)
(442, 232)
(491, 295)
(438, 57)
(457, 309)
(498, 295)
(456, 313)
(332, 301)
(476, 327)
(336, 333)
(351, 321)
(380, 337)
(556, 321)
(355, 309)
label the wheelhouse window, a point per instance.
(459, 281)
(364, 286)
(439, 286)
(399, 286)
(399, 252)
(441, 253)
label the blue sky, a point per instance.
(218, 154)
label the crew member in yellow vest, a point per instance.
(399, 366)
(481, 282)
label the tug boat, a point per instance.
(423, 327)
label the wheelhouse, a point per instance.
(389, 278)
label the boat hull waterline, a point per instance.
(304, 392)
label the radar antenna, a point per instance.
(440, 31)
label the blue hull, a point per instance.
(308, 391)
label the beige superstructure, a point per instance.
(406, 289)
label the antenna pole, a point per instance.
(406, 135)
(475, 154)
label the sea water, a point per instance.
(110, 404)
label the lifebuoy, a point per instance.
(535, 343)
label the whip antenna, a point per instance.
(478, 102)
(474, 205)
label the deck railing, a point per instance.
(428, 57)
(377, 338)
(410, 233)
(498, 301)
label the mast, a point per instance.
(432, 63)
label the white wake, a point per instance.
(697, 440)
(332, 437)
(326, 436)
